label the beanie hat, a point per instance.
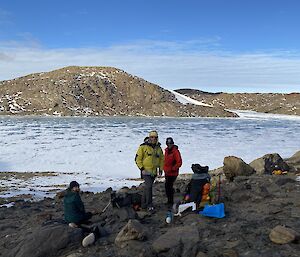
(73, 184)
(153, 134)
(169, 141)
(197, 168)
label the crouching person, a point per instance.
(196, 186)
(76, 216)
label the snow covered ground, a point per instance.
(100, 152)
(266, 116)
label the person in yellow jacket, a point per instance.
(150, 160)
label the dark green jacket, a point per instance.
(73, 207)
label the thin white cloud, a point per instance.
(192, 64)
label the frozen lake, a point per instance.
(99, 152)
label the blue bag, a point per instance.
(216, 210)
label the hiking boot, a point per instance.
(96, 232)
(88, 240)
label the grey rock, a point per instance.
(133, 230)
(294, 162)
(282, 235)
(230, 253)
(201, 254)
(48, 241)
(284, 180)
(268, 163)
(142, 214)
(234, 166)
(187, 236)
(75, 255)
(125, 213)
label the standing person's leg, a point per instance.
(169, 182)
(150, 191)
(172, 180)
(167, 187)
(147, 194)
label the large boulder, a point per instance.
(184, 239)
(294, 162)
(234, 166)
(282, 235)
(133, 230)
(268, 163)
(47, 241)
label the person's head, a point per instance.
(169, 142)
(153, 137)
(198, 169)
(74, 186)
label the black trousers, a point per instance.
(169, 183)
(85, 219)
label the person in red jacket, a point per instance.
(172, 164)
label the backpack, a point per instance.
(126, 199)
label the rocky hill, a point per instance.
(260, 102)
(92, 91)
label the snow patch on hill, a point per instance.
(260, 115)
(187, 100)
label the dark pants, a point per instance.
(196, 190)
(147, 193)
(86, 218)
(169, 182)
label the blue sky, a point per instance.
(212, 45)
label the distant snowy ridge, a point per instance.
(187, 100)
(260, 115)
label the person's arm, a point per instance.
(161, 159)
(79, 204)
(139, 158)
(178, 160)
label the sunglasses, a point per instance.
(153, 137)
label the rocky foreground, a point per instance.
(262, 219)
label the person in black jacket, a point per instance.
(195, 186)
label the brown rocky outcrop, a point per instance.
(234, 166)
(276, 103)
(94, 91)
